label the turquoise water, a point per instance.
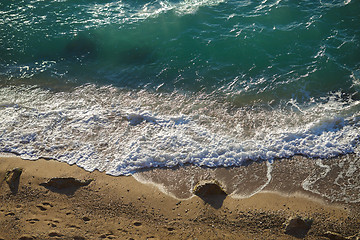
(125, 85)
(271, 49)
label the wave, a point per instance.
(122, 131)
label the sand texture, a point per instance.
(98, 206)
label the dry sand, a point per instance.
(123, 208)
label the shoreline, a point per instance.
(124, 208)
(330, 180)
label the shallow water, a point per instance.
(335, 181)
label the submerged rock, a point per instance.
(62, 183)
(81, 45)
(298, 227)
(207, 188)
(12, 178)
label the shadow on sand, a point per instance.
(67, 186)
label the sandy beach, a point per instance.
(108, 207)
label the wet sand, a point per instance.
(124, 208)
(333, 180)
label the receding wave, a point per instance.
(122, 131)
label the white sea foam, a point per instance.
(122, 12)
(121, 132)
(335, 3)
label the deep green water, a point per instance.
(246, 49)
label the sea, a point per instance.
(123, 86)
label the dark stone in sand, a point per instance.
(137, 224)
(209, 188)
(79, 238)
(55, 234)
(42, 208)
(26, 237)
(12, 178)
(211, 192)
(298, 227)
(62, 183)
